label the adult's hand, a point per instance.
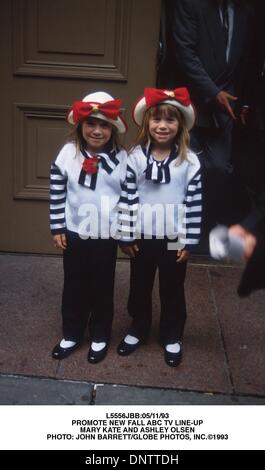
(223, 99)
(243, 114)
(249, 239)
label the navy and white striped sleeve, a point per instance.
(58, 184)
(128, 207)
(192, 212)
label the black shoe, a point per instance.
(173, 359)
(125, 349)
(61, 353)
(96, 356)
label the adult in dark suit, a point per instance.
(251, 139)
(252, 232)
(211, 46)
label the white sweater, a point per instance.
(155, 208)
(78, 208)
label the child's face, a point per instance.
(163, 129)
(96, 133)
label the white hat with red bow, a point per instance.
(179, 98)
(99, 105)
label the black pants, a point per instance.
(89, 269)
(154, 254)
(214, 148)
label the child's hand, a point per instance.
(60, 241)
(129, 250)
(182, 255)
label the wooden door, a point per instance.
(54, 52)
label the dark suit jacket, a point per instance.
(254, 274)
(201, 54)
(256, 66)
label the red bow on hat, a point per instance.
(83, 109)
(154, 96)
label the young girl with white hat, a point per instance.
(163, 180)
(85, 188)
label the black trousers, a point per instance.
(214, 148)
(154, 254)
(89, 270)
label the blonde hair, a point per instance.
(182, 138)
(76, 137)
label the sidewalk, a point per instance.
(224, 343)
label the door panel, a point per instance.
(65, 39)
(56, 52)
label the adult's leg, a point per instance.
(213, 146)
